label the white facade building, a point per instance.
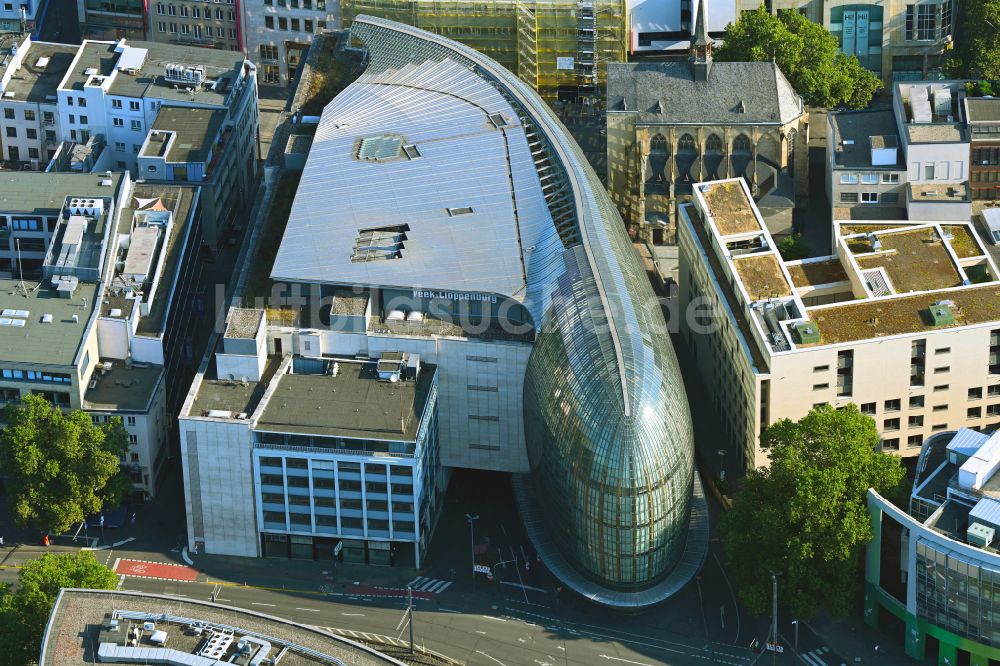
(901, 320)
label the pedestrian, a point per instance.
(45, 540)
(132, 518)
(1, 542)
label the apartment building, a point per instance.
(208, 23)
(983, 114)
(18, 15)
(901, 320)
(910, 163)
(118, 91)
(96, 274)
(279, 32)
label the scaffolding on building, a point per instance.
(559, 47)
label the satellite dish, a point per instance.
(394, 377)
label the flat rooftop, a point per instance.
(79, 616)
(935, 132)
(761, 276)
(860, 129)
(355, 403)
(38, 78)
(816, 273)
(862, 320)
(179, 199)
(243, 323)
(914, 260)
(983, 110)
(222, 66)
(963, 241)
(194, 133)
(730, 208)
(941, 192)
(231, 395)
(123, 388)
(45, 193)
(53, 343)
(98, 58)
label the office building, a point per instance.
(561, 48)
(96, 274)
(931, 570)
(673, 124)
(147, 104)
(502, 279)
(901, 320)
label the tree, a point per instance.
(60, 466)
(805, 516)
(24, 613)
(977, 51)
(807, 55)
(793, 247)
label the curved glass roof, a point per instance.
(607, 423)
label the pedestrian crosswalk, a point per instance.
(815, 657)
(424, 584)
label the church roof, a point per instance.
(736, 93)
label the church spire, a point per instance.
(701, 45)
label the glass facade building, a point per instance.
(607, 424)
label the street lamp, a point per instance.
(774, 615)
(472, 540)
(795, 623)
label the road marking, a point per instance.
(257, 603)
(483, 633)
(627, 661)
(353, 614)
(498, 619)
(523, 587)
(311, 610)
(815, 657)
(490, 658)
(119, 544)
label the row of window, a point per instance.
(195, 12)
(133, 104)
(917, 401)
(106, 418)
(296, 4)
(120, 147)
(29, 132)
(687, 144)
(869, 197)
(293, 25)
(29, 114)
(196, 30)
(136, 124)
(35, 376)
(848, 178)
(927, 22)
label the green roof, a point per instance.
(807, 332)
(49, 344)
(45, 193)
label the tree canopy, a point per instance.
(805, 516)
(807, 55)
(60, 466)
(24, 613)
(977, 52)
(793, 246)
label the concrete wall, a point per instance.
(216, 459)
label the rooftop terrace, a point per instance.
(122, 388)
(938, 192)
(355, 403)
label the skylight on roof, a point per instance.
(379, 244)
(497, 120)
(411, 151)
(455, 212)
(380, 148)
